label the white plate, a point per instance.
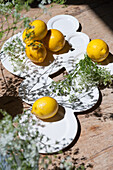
(65, 23)
(60, 133)
(27, 67)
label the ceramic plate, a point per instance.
(19, 64)
(57, 134)
(26, 67)
(64, 23)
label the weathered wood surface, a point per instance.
(94, 145)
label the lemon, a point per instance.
(54, 40)
(97, 50)
(38, 28)
(36, 52)
(45, 107)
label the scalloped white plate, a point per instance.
(84, 101)
(65, 23)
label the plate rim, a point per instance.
(61, 16)
(94, 88)
(78, 33)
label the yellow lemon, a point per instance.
(45, 107)
(54, 40)
(97, 50)
(28, 36)
(38, 28)
(36, 52)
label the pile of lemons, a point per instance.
(39, 39)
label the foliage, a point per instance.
(59, 1)
(37, 2)
(86, 74)
(91, 74)
(19, 153)
(11, 19)
(16, 51)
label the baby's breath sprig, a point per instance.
(93, 75)
(16, 51)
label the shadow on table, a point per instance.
(81, 2)
(12, 105)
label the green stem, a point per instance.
(13, 157)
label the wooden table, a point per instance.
(94, 143)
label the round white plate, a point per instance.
(57, 135)
(65, 23)
(26, 68)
